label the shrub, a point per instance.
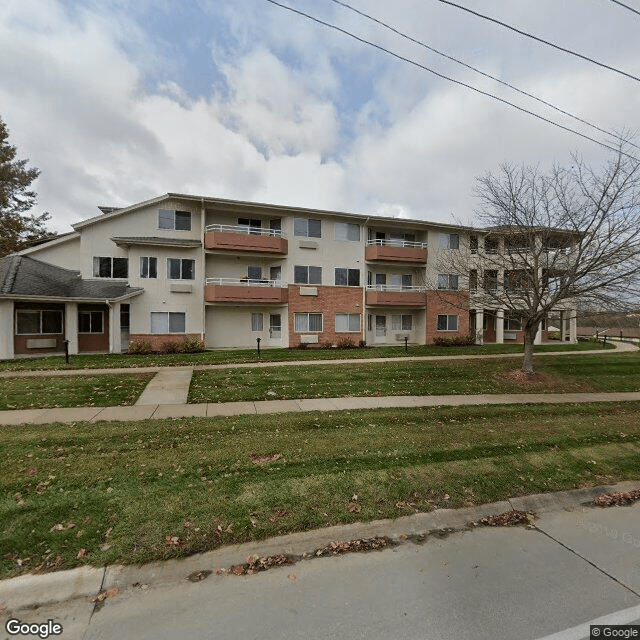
(190, 344)
(302, 346)
(325, 345)
(140, 347)
(554, 335)
(170, 346)
(455, 341)
(346, 343)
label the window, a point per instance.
(491, 246)
(448, 281)
(517, 280)
(400, 239)
(491, 280)
(90, 322)
(180, 269)
(308, 322)
(449, 240)
(518, 244)
(511, 323)
(347, 231)
(168, 322)
(473, 280)
(347, 322)
(307, 275)
(148, 267)
(41, 322)
(401, 281)
(176, 220)
(447, 323)
(106, 267)
(402, 322)
(347, 277)
(473, 244)
(307, 228)
(253, 225)
(381, 279)
(275, 273)
(254, 273)
(256, 322)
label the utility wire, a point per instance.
(626, 6)
(482, 73)
(459, 82)
(551, 44)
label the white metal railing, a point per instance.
(394, 287)
(242, 228)
(397, 243)
(246, 282)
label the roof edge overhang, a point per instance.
(67, 237)
(25, 298)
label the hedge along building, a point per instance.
(230, 272)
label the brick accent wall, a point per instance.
(158, 339)
(95, 341)
(451, 303)
(20, 341)
(329, 301)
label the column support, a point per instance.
(71, 326)
(479, 326)
(500, 326)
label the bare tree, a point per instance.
(548, 240)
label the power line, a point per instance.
(626, 6)
(550, 44)
(458, 82)
(482, 73)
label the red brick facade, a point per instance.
(329, 301)
(88, 342)
(449, 303)
(158, 339)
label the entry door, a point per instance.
(275, 328)
(381, 329)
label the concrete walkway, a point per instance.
(265, 407)
(168, 386)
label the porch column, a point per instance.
(562, 323)
(115, 340)
(71, 326)
(479, 326)
(538, 338)
(500, 326)
(6, 335)
(573, 326)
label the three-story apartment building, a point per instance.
(230, 272)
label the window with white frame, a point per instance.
(512, 323)
(168, 322)
(401, 281)
(347, 322)
(447, 323)
(257, 322)
(303, 274)
(308, 322)
(38, 322)
(347, 231)
(252, 225)
(174, 220)
(347, 277)
(275, 273)
(148, 267)
(307, 228)
(448, 282)
(402, 322)
(90, 322)
(181, 269)
(108, 267)
(450, 240)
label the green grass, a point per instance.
(584, 373)
(118, 490)
(110, 361)
(72, 391)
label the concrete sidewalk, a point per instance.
(265, 407)
(169, 386)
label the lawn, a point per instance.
(72, 391)
(241, 356)
(580, 373)
(141, 491)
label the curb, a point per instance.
(29, 591)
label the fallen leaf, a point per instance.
(82, 553)
(105, 546)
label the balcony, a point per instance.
(390, 296)
(396, 251)
(240, 238)
(245, 291)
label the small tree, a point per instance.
(548, 240)
(17, 229)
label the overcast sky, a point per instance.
(118, 101)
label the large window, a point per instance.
(252, 225)
(90, 322)
(347, 231)
(168, 322)
(402, 322)
(303, 274)
(347, 277)
(180, 269)
(308, 322)
(448, 282)
(175, 220)
(449, 240)
(307, 228)
(107, 267)
(347, 322)
(447, 323)
(148, 267)
(257, 322)
(40, 322)
(512, 323)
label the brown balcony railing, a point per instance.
(240, 238)
(245, 291)
(396, 251)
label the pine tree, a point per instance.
(18, 230)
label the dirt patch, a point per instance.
(527, 379)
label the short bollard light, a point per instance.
(406, 342)
(258, 341)
(66, 351)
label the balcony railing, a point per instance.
(242, 228)
(395, 296)
(396, 251)
(395, 287)
(245, 291)
(246, 282)
(397, 243)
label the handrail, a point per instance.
(397, 243)
(246, 282)
(392, 287)
(244, 229)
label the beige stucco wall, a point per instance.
(62, 254)
(228, 326)
(6, 329)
